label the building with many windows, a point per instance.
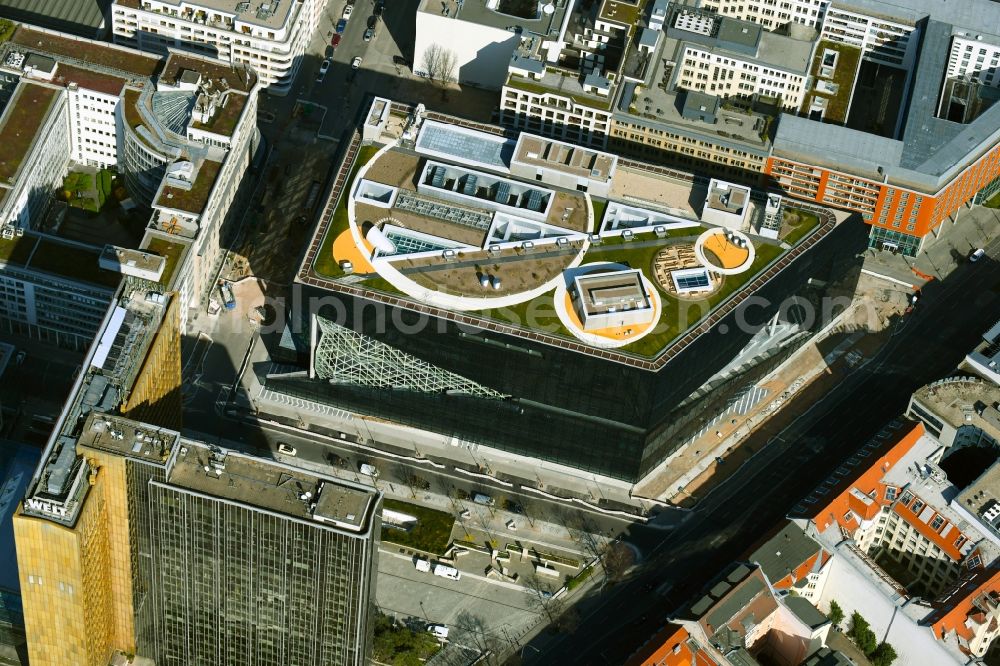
(269, 37)
(135, 540)
(180, 130)
(770, 14)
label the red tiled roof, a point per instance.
(947, 543)
(669, 647)
(958, 603)
(866, 477)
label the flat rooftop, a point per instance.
(20, 124)
(476, 11)
(266, 13)
(191, 200)
(272, 486)
(962, 401)
(728, 197)
(66, 47)
(610, 292)
(564, 157)
(128, 438)
(982, 495)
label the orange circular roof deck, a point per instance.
(726, 251)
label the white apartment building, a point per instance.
(880, 40)
(725, 74)
(268, 35)
(971, 57)
(771, 14)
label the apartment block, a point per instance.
(792, 561)
(958, 411)
(863, 24)
(889, 499)
(967, 615)
(269, 37)
(181, 131)
(984, 360)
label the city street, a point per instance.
(950, 320)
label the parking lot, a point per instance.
(472, 608)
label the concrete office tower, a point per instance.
(269, 36)
(186, 553)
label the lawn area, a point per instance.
(73, 262)
(79, 189)
(325, 264)
(801, 223)
(679, 315)
(6, 30)
(538, 314)
(993, 202)
(24, 116)
(580, 578)
(400, 645)
(192, 200)
(432, 533)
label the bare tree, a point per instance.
(439, 63)
(490, 644)
(561, 617)
(618, 558)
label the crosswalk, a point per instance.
(740, 405)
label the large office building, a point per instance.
(270, 37)
(180, 130)
(135, 540)
(459, 315)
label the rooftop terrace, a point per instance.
(21, 122)
(274, 487)
(275, 17)
(233, 76)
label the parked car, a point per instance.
(372, 21)
(335, 42)
(341, 25)
(286, 449)
(485, 500)
(356, 63)
(369, 34)
(348, 10)
(977, 255)
(323, 68)
(329, 52)
(369, 470)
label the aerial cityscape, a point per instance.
(499, 332)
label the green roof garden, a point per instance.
(192, 200)
(21, 123)
(172, 251)
(73, 262)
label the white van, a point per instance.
(445, 571)
(440, 631)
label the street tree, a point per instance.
(836, 614)
(883, 655)
(440, 64)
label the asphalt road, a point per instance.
(949, 321)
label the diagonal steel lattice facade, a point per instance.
(348, 357)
